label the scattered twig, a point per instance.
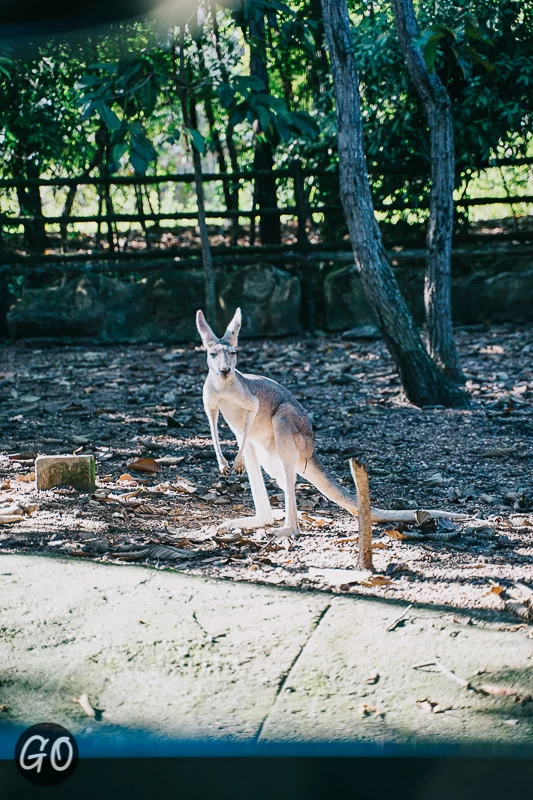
(454, 677)
(400, 618)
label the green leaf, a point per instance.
(107, 116)
(248, 83)
(305, 124)
(87, 80)
(429, 51)
(139, 164)
(142, 146)
(282, 128)
(225, 94)
(105, 66)
(197, 139)
(118, 151)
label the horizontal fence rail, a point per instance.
(301, 211)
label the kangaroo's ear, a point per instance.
(232, 331)
(208, 337)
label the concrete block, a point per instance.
(77, 471)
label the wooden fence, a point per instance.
(301, 211)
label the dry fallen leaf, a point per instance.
(29, 477)
(126, 478)
(320, 522)
(496, 690)
(377, 580)
(149, 465)
(366, 711)
(498, 452)
(373, 677)
(183, 485)
(495, 589)
(404, 536)
(380, 546)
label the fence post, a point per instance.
(306, 277)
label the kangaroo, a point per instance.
(273, 432)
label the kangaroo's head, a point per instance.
(221, 353)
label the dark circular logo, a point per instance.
(46, 754)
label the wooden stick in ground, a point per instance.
(360, 478)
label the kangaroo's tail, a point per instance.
(315, 473)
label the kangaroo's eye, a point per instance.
(213, 355)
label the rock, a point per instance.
(76, 471)
(346, 303)
(81, 440)
(75, 309)
(363, 332)
(506, 297)
(435, 480)
(488, 498)
(270, 300)
(161, 307)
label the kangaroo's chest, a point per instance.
(260, 431)
(234, 416)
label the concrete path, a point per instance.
(176, 656)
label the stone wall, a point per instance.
(160, 307)
(479, 298)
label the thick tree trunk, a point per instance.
(432, 93)
(264, 153)
(423, 382)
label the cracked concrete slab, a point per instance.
(158, 651)
(177, 656)
(355, 680)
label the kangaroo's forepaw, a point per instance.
(238, 465)
(224, 467)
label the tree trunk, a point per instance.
(71, 194)
(207, 260)
(230, 130)
(436, 103)
(423, 382)
(188, 111)
(29, 200)
(269, 224)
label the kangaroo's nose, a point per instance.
(225, 371)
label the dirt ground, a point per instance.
(123, 403)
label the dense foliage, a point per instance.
(257, 76)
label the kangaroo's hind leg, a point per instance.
(291, 447)
(263, 511)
